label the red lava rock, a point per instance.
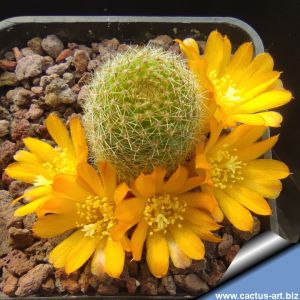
(82, 95)
(149, 286)
(58, 69)
(29, 220)
(81, 60)
(63, 55)
(197, 266)
(17, 188)
(6, 179)
(17, 263)
(225, 245)
(107, 290)
(132, 285)
(35, 45)
(45, 80)
(123, 48)
(133, 268)
(7, 65)
(58, 92)
(38, 251)
(4, 113)
(9, 285)
(34, 112)
(27, 51)
(218, 269)
(20, 238)
(247, 235)
(85, 79)
(17, 53)
(231, 253)
(175, 48)
(7, 151)
(4, 128)
(31, 282)
(169, 285)
(8, 79)
(111, 44)
(48, 287)
(191, 283)
(52, 45)
(71, 285)
(93, 65)
(38, 90)
(5, 198)
(20, 129)
(163, 41)
(84, 283)
(30, 66)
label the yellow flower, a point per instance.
(235, 176)
(41, 163)
(169, 217)
(85, 202)
(242, 87)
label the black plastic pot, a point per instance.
(16, 31)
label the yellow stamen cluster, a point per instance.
(226, 169)
(225, 90)
(96, 215)
(62, 163)
(162, 211)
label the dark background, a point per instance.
(277, 23)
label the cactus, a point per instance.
(143, 109)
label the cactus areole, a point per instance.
(144, 109)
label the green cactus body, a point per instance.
(144, 109)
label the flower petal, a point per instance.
(97, 263)
(80, 253)
(26, 157)
(256, 150)
(31, 207)
(191, 183)
(238, 215)
(26, 172)
(53, 225)
(268, 118)
(57, 206)
(157, 255)
(89, 175)
(58, 255)
(144, 186)
(177, 180)
(158, 176)
(121, 192)
(120, 229)
(269, 169)
(266, 101)
(42, 150)
(59, 133)
(178, 257)
(78, 139)
(200, 218)
(114, 258)
(138, 239)
(130, 209)
(65, 186)
(203, 232)
(109, 178)
(266, 188)
(250, 200)
(188, 242)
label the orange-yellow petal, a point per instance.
(121, 192)
(144, 186)
(138, 239)
(178, 257)
(250, 199)
(177, 180)
(26, 157)
(109, 178)
(238, 215)
(53, 225)
(157, 255)
(58, 255)
(269, 169)
(114, 258)
(80, 253)
(42, 150)
(59, 133)
(130, 209)
(256, 150)
(78, 139)
(188, 242)
(97, 263)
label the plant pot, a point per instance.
(84, 30)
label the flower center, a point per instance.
(227, 94)
(62, 163)
(162, 211)
(226, 169)
(96, 216)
